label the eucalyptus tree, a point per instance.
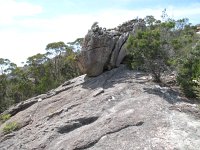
(55, 51)
(6, 67)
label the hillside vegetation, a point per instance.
(165, 46)
(41, 73)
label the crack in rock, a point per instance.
(20, 107)
(92, 143)
(57, 91)
(6, 137)
(74, 124)
(67, 83)
(71, 107)
(98, 92)
(58, 112)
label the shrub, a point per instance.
(10, 127)
(197, 87)
(147, 52)
(189, 72)
(4, 117)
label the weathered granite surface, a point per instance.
(118, 110)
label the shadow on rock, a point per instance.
(108, 79)
(115, 76)
(166, 93)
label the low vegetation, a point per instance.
(4, 117)
(166, 46)
(197, 88)
(189, 73)
(10, 127)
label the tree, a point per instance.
(197, 88)
(148, 47)
(56, 48)
(41, 73)
(76, 45)
(21, 87)
(36, 68)
(63, 63)
(6, 66)
(161, 45)
(189, 73)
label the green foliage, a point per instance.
(164, 45)
(6, 67)
(189, 72)
(146, 48)
(168, 44)
(41, 73)
(10, 127)
(197, 87)
(56, 48)
(76, 45)
(5, 117)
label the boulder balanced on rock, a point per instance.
(104, 49)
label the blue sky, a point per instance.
(27, 26)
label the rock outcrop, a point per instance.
(105, 49)
(120, 109)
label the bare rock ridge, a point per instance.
(120, 109)
(105, 49)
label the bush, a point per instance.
(189, 72)
(147, 52)
(5, 117)
(197, 88)
(163, 46)
(10, 127)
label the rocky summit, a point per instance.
(117, 110)
(105, 49)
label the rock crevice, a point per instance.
(89, 145)
(74, 124)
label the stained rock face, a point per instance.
(105, 49)
(120, 109)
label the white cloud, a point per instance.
(11, 8)
(17, 45)
(191, 11)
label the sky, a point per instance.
(27, 26)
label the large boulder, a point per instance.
(97, 48)
(105, 49)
